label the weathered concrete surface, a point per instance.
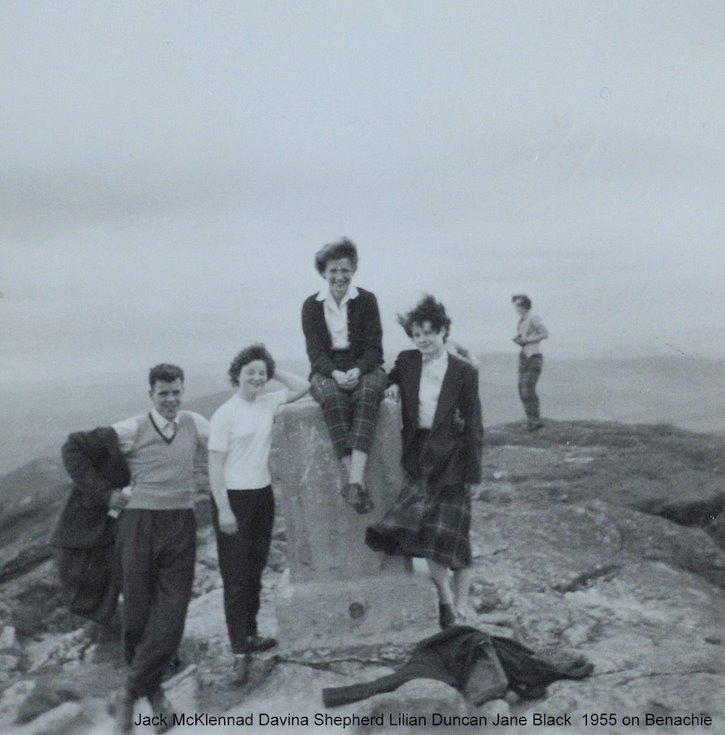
(347, 592)
(373, 608)
(324, 533)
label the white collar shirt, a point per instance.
(336, 316)
(431, 380)
(166, 427)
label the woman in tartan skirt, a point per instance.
(442, 437)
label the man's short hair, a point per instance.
(165, 373)
(522, 299)
(257, 351)
(426, 310)
(342, 248)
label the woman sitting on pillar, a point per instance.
(344, 340)
(442, 437)
(240, 438)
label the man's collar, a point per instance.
(160, 420)
(326, 295)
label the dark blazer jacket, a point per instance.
(96, 466)
(364, 331)
(84, 534)
(452, 452)
(451, 656)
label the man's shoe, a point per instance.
(240, 669)
(535, 425)
(121, 707)
(253, 643)
(162, 710)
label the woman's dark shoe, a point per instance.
(446, 616)
(358, 497)
(364, 501)
(349, 492)
(253, 643)
(535, 425)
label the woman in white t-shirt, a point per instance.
(240, 439)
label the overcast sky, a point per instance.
(168, 170)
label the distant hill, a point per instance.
(675, 390)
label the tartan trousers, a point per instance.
(529, 372)
(350, 415)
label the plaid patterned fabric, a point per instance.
(432, 523)
(350, 415)
(529, 372)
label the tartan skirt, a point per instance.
(432, 523)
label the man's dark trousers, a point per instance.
(155, 553)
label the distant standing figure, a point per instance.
(442, 438)
(240, 439)
(344, 340)
(530, 332)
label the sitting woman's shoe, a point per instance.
(349, 492)
(358, 497)
(446, 615)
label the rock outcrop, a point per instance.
(591, 539)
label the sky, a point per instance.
(170, 168)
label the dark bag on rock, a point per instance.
(486, 677)
(481, 667)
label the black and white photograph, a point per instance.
(362, 367)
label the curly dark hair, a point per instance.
(522, 299)
(342, 248)
(165, 373)
(426, 310)
(257, 351)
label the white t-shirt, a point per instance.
(243, 429)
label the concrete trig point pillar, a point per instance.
(338, 591)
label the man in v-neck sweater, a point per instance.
(156, 539)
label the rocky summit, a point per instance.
(597, 540)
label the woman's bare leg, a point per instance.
(439, 575)
(461, 587)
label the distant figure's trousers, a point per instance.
(155, 553)
(529, 372)
(350, 415)
(242, 558)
